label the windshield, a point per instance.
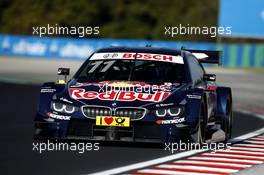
(152, 72)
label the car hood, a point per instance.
(123, 94)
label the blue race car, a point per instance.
(142, 94)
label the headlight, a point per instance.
(172, 111)
(63, 108)
(175, 111)
(161, 112)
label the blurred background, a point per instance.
(133, 23)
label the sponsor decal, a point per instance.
(65, 100)
(60, 117)
(110, 55)
(79, 93)
(164, 105)
(112, 121)
(139, 56)
(114, 104)
(173, 121)
(194, 96)
(36, 48)
(47, 90)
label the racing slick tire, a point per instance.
(226, 124)
(199, 135)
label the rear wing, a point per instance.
(207, 56)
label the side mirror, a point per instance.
(64, 72)
(209, 77)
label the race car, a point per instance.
(137, 94)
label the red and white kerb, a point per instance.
(139, 56)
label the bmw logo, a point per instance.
(114, 104)
(106, 55)
(112, 55)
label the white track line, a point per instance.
(169, 172)
(196, 162)
(249, 135)
(161, 160)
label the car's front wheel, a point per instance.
(226, 125)
(200, 135)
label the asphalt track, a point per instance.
(18, 106)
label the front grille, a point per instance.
(93, 111)
(133, 113)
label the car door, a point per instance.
(197, 75)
